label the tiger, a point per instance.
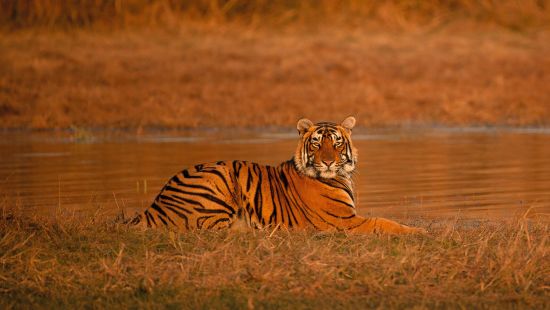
(312, 190)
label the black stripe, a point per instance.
(159, 210)
(174, 189)
(348, 190)
(224, 219)
(162, 219)
(270, 182)
(205, 196)
(236, 168)
(151, 217)
(248, 180)
(156, 208)
(319, 217)
(283, 193)
(283, 178)
(208, 211)
(306, 210)
(339, 201)
(258, 196)
(179, 200)
(353, 227)
(181, 215)
(202, 195)
(249, 210)
(290, 209)
(166, 203)
(292, 197)
(340, 217)
(174, 199)
(188, 176)
(171, 221)
(202, 219)
(180, 183)
(147, 218)
(136, 220)
(217, 201)
(221, 176)
(343, 186)
(302, 206)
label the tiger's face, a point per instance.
(325, 149)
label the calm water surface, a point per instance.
(430, 173)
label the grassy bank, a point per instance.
(237, 63)
(231, 77)
(393, 14)
(82, 261)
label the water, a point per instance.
(476, 173)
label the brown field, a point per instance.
(388, 14)
(160, 64)
(88, 261)
(239, 79)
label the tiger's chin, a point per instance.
(327, 174)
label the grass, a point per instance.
(142, 64)
(232, 78)
(89, 261)
(396, 14)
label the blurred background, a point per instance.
(139, 64)
(101, 101)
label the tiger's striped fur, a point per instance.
(312, 190)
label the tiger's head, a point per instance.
(325, 149)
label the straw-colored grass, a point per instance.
(233, 78)
(77, 261)
(395, 14)
(239, 63)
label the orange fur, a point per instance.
(312, 190)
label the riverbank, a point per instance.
(232, 77)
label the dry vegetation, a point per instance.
(393, 14)
(82, 261)
(242, 64)
(234, 79)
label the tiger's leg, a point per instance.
(359, 224)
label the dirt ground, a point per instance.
(237, 78)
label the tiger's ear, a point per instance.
(303, 125)
(348, 123)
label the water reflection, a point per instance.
(438, 172)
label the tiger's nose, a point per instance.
(328, 162)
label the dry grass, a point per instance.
(395, 14)
(240, 63)
(238, 78)
(86, 261)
